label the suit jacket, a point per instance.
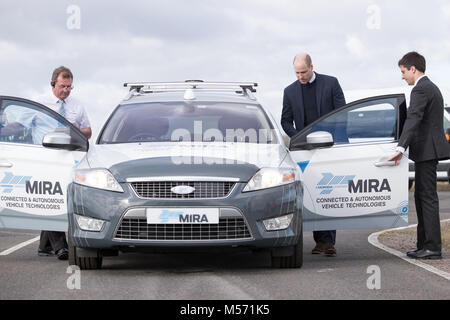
(423, 130)
(329, 96)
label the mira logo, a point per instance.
(182, 217)
(43, 187)
(10, 182)
(330, 182)
(369, 185)
(16, 183)
(194, 218)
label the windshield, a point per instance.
(178, 121)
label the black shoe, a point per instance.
(45, 253)
(427, 254)
(412, 254)
(62, 254)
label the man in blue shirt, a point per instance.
(53, 242)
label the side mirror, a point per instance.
(62, 140)
(447, 135)
(319, 139)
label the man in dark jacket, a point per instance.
(423, 133)
(304, 101)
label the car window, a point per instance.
(365, 122)
(446, 120)
(212, 122)
(25, 123)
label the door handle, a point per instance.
(5, 164)
(383, 163)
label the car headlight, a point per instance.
(97, 178)
(271, 177)
(89, 224)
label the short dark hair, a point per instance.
(413, 59)
(65, 72)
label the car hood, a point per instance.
(233, 160)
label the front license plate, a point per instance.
(182, 215)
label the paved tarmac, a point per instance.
(24, 275)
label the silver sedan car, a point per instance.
(186, 170)
(200, 166)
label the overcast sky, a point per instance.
(107, 43)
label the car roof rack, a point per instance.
(151, 87)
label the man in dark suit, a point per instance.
(423, 133)
(304, 101)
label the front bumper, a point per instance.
(249, 208)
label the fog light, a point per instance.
(278, 223)
(89, 224)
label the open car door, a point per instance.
(34, 178)
(348, 184)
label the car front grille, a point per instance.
(229, 228)
(203, 190)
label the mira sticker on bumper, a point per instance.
(183, 216)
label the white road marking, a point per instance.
(19, 246)
(373, 239)
(325, 270)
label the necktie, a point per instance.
(62, 110)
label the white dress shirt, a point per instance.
(312, 78)
(40, 123)
(75, 112)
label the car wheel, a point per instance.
(293, 261)
(84, 263)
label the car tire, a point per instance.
(84, 263)
(293, 261)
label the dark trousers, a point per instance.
(325, 236)
(427, 206)
(52, 240)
